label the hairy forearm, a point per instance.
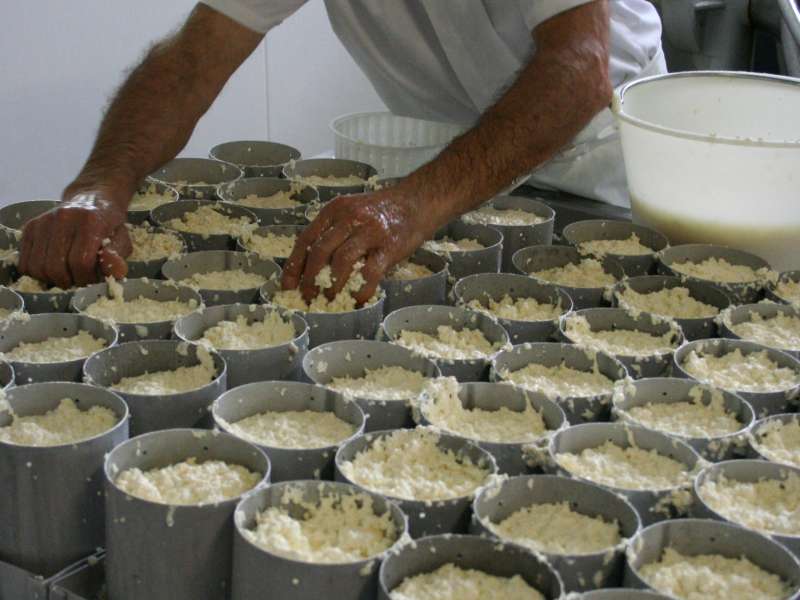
(555, 96)
(156, 109)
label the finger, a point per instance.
(111, 259)
(320, 255)
(293, 270)
(112, 264)
(374, 269)
(344, 258)
(83, 257)
(25, 249)
(38, 253)
(56, 265)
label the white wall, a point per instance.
(60, 61)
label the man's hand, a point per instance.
(78, 242)
(379, 229)
(562, 88)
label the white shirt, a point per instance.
(449, 60)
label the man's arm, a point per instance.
(555, 96)
(148, 122)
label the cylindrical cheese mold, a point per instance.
(283, 396)
(667, 390)
(693, 328)
(764, 403)
(198, 242)
(652, 505)
(159, 550)
(52, 501)
(693, 537)
(153, 412)
(427, 319)
(579, 572)
(539, 258)
(255, 158)
(324, 327)
(470, 262)
(486, 287)
(215, 261)
(470, 553)
(256, 569)
(282, 361)
(745, 471)
(352, 358)
(618, 319)
(264, 187)
(592, 230)
(426, 517)
(41, 327)
(740, 293)
(330, 167)
(196, 178)
(161, 291)
(509, 456)
(431, 289)
(578, 409)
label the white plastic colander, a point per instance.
(394, 145)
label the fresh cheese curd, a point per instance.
(560, 381)
(407, 271)
(790, 291)
(271, 245)
(734, 371)
(56, 349)
(692, 419)
(770, 505)
(149, 244)
(293, 429)
(629, 468)
(117, 309)
(489, 215)
(174, 381)
(443, 408)
(65, 424)
(331, 180)
(719, 270)
(551, 528)
(588, 273)
(781, 331)
(383, 383)
(189, 482)
(278, 200)
(29, 285)
(517, 309)
(338, 529)
(208, 220)
(711, 577)
(631, 246)
(273, 330)
(446, 245)
(676, 303)
(450, 582)
(342, 302)
(232, 280)
(449, 343)
(408, 464)
(619, 342)
(780, 442)
(149, 199)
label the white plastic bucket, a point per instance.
(714, 156)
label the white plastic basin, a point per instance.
(714, 156)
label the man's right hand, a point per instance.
(77, 243)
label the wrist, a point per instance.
(113, 193)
